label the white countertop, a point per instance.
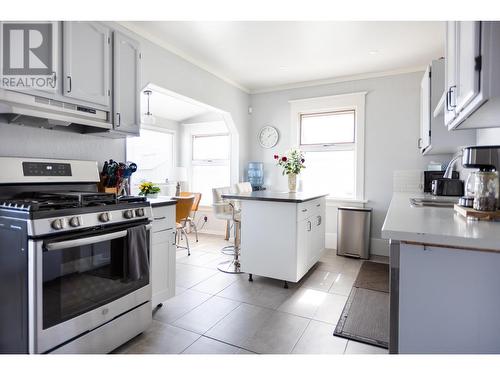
(437, 225)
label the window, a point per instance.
(330, 133)
(327, 128)
(210, 165)
(153, 152)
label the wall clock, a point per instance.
(268, 136)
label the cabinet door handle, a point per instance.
(159, 218)
(448, 100)
(419, 143)
(304, 210)
(70, 85)
(118, 119)
(319, 221)
(452, 106)
(318, 205)
(309, 226)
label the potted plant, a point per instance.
(149, 189)
(292, 163)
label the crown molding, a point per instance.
(327, 81)
(161, 43)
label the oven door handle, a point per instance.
(88, 240)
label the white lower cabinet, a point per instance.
(163, 255)
(449, 300)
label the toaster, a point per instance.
(448, 187)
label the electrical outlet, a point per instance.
(205, 219)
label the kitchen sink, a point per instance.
(446, 202)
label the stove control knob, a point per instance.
(105, 217)
(139, 212)
(128, 214)
(75, 221)
(58, 224)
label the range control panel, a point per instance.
(46, 169)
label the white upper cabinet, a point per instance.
(86, 62)
(434, 136)
(425, 109)
(467, 68)
(450, 74)
(472, 76)
(126, 84)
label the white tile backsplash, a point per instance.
(411, 181)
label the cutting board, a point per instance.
(475, 214)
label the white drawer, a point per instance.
(163, 236)
(307, 209)
(163, 218)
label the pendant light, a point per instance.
(148, 118)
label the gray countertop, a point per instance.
(275, 196)
(162, 201)
(437, 225)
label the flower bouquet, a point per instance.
(148, 189)
(292, 163)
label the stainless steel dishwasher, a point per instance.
(353, 232)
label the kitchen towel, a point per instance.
(137, 253)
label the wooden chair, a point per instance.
(182, 212)
(194, 209)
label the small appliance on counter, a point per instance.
(448, 187)
(430, 176)
(482, 186)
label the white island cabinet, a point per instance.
(163, 251)
(282, 234)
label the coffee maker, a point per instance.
(482, 187)
(484, 158)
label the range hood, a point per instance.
(31, 110)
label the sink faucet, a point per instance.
(449, 169)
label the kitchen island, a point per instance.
(282, 234)
(445, 274)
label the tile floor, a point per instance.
(217, 313)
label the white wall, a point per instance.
(391, 133)
(488, 137)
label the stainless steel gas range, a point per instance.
(74, 263)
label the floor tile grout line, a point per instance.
(180, 316)
(198, 333)
(302, 334)
(227, 343)
(182, 352)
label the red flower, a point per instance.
(276, 156)
(284, 158)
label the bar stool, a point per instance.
(223, 211)
(233, 265)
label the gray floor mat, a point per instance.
(365, 317)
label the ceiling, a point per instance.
(260, 55)
(170, 107)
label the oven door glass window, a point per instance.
(81, 277)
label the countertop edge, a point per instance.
(270, 199)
